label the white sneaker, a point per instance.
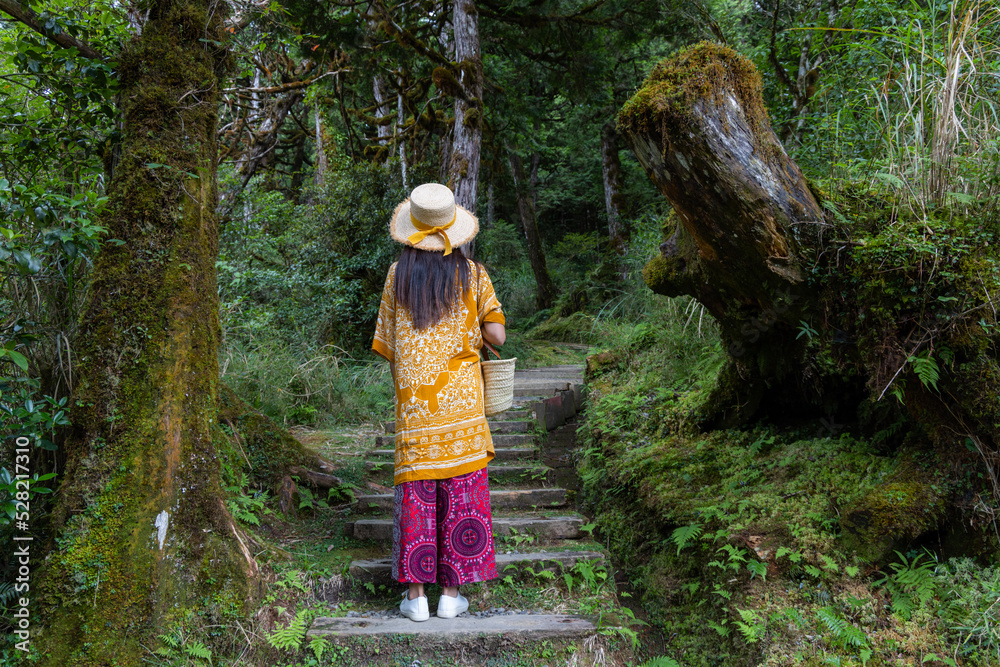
(415, 610)
(450, 607)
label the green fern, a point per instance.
(927, 369)
(757, 568)
(542, 574)
(911, 585)
(721, 629)
(685, 535)
(188, 651)
(6, 593)
(198, 650)
(662, 661)
(833, 622)
(289, 638)
(319, 646)
(844, 633)
(751, 626)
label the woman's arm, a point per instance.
(494, 332)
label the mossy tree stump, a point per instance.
(865, 316)
(745, 223)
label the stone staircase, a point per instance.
(536, 516)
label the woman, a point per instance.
(437, 307)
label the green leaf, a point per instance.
(16, 357)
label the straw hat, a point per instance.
(430, 220)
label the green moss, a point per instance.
(577, 328)
(889, 516)
(703, 72)
(665, 276)
(472, 117)
(444, 78)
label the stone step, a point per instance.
(563, 368)
(547, 374)
(540, 387)
(502, 453)
(565, 527)
(446, 633)
(380, 571)
(499, 440)
(506, 426)
(499, 499)
(507, 473)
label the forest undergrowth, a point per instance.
(739, 540)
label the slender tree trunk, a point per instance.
(298, 165)
(383, 111)
(545, 290)
(611, 170)
(445, 157)
(144, 536)
(463, 174)
(447, 48)
(321, 164)
(400, 120)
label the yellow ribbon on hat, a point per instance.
(426, 230)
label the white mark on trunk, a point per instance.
(162, 519)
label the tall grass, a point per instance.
(938, 108)
(302, 383)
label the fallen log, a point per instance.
(317, 479)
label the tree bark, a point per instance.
(611, 172)
(321, 161)
(467, 133)
(382, 113)
(400, 121)
(143, 532)
(545, 290)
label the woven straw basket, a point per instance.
(498, 382)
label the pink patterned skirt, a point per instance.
(443, 531)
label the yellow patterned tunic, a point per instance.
(441, 428)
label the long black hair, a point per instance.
(425, 283)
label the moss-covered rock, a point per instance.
(889, 518)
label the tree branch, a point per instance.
(29, 18)
(282, 88)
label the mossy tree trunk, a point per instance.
(143, 534)
(467, 133)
